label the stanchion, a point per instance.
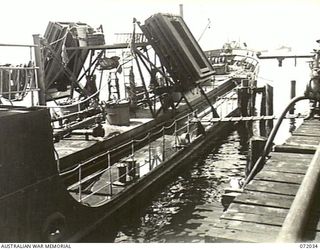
(175, 135)
(163, 144)
(149, 151)
(79, 176)
(110, 173)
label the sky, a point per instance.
(261, 24)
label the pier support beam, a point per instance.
(257, 145)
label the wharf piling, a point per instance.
(292, 94)
(244, 97)
(257, 145)
(266, 108)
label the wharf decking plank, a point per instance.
(276, 177)
(313, 122)
(233, 235)
(303, 140)
(257, 214)
(307, 130)
(309, 127)
(264, 199)
(306, 149)
(284, 167)
(290, 157)
(246, 226)
(308, 123)
(258, 210)
(288, 162)
(306, 134)
(265, 219)
(273, 187)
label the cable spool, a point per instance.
(53, 227)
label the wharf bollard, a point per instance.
(122, 174)
(257, 144)
(292, 95)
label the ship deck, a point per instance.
(97, 187)
(76, 148)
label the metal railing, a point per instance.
(157, 147)
(127, 38)
(168, 137)
(17, 81)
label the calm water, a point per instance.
(166, 216)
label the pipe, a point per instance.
(298, 215)
(271, 137)
(85, 122)
(83, 112)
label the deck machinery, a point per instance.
(34, 203)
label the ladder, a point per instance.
(113, 86)
(127, 69)
(113, 80)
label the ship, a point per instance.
(235, 58)
(76, 155)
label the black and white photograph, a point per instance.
(182, 121)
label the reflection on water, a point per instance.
(173, 214)
(167, 218)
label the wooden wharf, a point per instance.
(258, 213)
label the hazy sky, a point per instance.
(261, 24)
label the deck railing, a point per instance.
(158, 146)
(154, 157)
(127, 38)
